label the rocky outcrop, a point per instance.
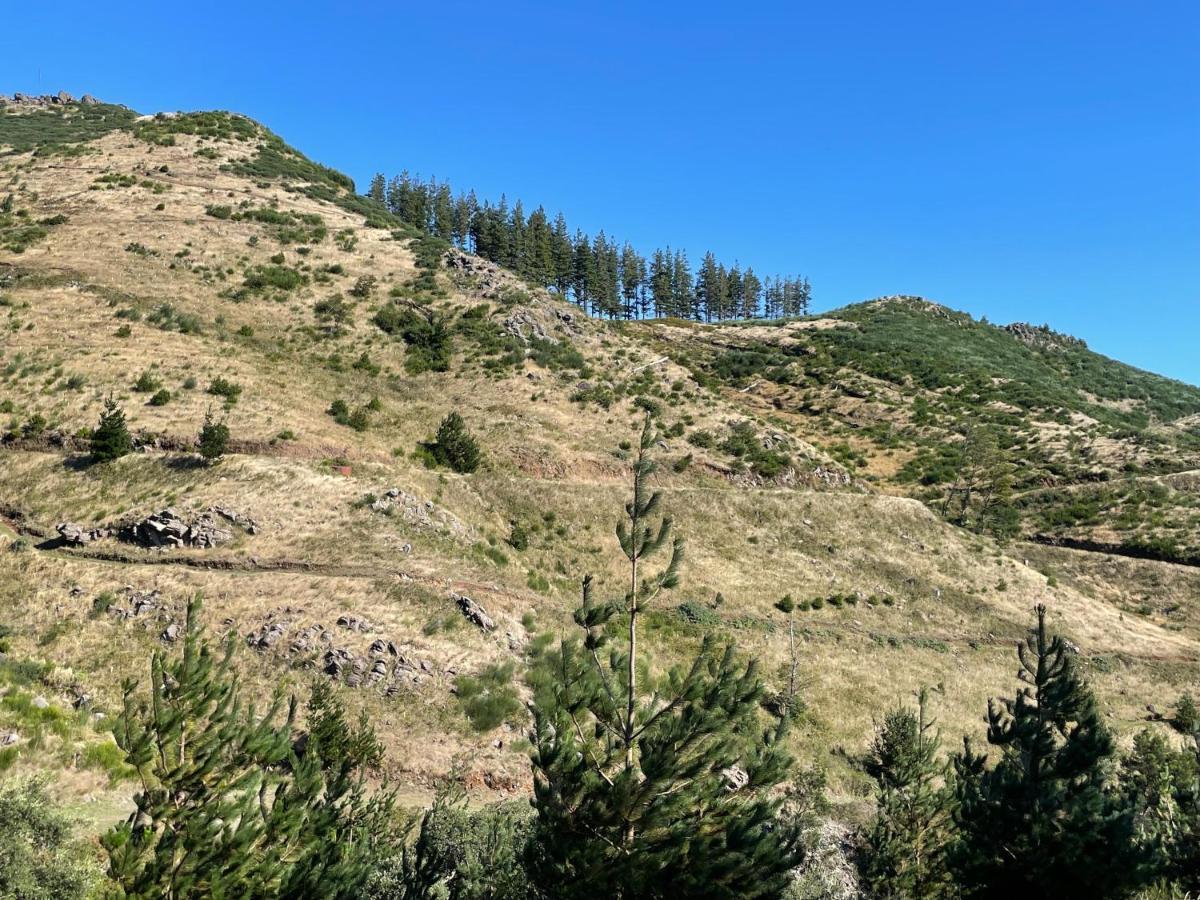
(487, 278)
(77, 535)
(473, 612)
(62, 98)
(1042, 337)
(418, 512)
(545, 323)
(169, 529)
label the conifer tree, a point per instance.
(227, 808)
(110, 439)
(1161, 787)
(378, 189)
(1042, 822)
(906, 849)
(751, 291)
(214, 438)
(563, 253)
(455, 447)
(644, 786)
(660, 283)
(681, 288)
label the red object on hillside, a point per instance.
(342, 470)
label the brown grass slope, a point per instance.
(955, 601)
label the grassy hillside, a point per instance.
(1088, 449)
(196, 264)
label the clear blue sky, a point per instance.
(1021, 160)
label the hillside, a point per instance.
(197, 264)
(917, 399)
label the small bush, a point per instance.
(455, 447)
(161, 397)
(489, 698)
(518, 537)
(214, 438)
(1187, 716)
(146, 383)
(222, 387)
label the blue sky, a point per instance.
(1020, 160)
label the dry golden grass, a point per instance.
(959, 601)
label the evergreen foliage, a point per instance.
(228, 806)
(454, 446)
(460, 854)
(39, 856)
(111, 439)
(651, 786)
(601, 274)
(1161, 787)
(1043, 822)
(214, 438)
(906, 849)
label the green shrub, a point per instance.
(340, 411)
(1187, 716)
(518, 537)
(146, 383)
(161, 397)
(427, 335)
(213, 441)
(111, 440)
(223, 387)
(489, 698)
(39, 855)
(695, 613)
(454, 446)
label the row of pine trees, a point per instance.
(606, 277)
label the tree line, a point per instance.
(645, 784)
(605, 276)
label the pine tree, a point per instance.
(650, 787)
(110, 439)
(214, 438)
(1161, 787)
(633, 277)
(681, 288)
(1043, 822)
(227, 807)
(378, 189)
(906, 849)
(563, 253)
(455, 447)
(583, 274)
(660, 283)
(751, 292)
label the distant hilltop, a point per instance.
(62, 98)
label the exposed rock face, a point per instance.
(140, 603)
(488, 277)
(735, 778)
(473, 612)
(415, 511)
(1042, 337)
(78, 535)
(62, 98)
(168, 529)
(544, 323)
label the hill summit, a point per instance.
(911, 478)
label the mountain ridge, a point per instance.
(195, 256)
